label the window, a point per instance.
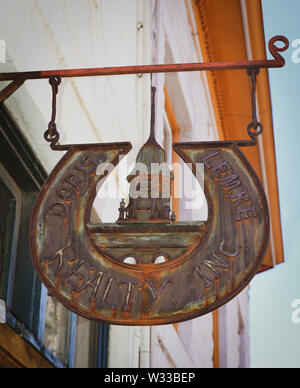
(75, 341)
(7, 218)
(63, 337)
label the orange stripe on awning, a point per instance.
(222, 38)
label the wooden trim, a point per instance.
(221, 34)
(206, 43)
(216, 353)
(258, 48)
(18, 352)
(175, 135)
(7, 361)
(175, 158)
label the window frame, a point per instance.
(24, 175)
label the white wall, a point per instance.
(192, 344)
(56, 34)
(189, 96)
(43, 34)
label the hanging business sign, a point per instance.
(207, 264)
(147, 268)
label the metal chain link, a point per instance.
(255, 124)
(52, 135)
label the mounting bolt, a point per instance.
(140, 25)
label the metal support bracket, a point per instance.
(10, 89)
(20, 77)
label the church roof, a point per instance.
(153, 158)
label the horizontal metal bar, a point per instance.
(145, 69)
(166, 68)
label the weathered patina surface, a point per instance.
(207, 263)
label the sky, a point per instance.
(275, 339)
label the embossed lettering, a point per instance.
(223, 167)
(207, 281)
(214, 262)
(93, 281)
(228, 254)
(240, 197)
(58, 209)
(211, 156)
(156, 294)
(61, 255)
(246, 213)
(82, 173)
(86, 162)
(65, 194)
(73, 181)
(106, 292)
(230, 182)
(129, 294)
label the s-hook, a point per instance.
(255, 124)
(52, 135)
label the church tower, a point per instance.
(151, 184)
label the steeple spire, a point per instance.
(152, 125)
(144, 208)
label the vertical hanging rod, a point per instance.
(278, 61)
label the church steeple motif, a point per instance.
(150, 186)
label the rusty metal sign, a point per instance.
(207, 263)
(113, 272)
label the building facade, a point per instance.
(45, 35)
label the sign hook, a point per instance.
(52, 135)
(255, 124)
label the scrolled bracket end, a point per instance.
(275, 50)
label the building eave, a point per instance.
(227, 31)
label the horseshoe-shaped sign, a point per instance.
(207, 263)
